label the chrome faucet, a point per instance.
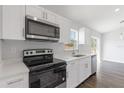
(73, 52)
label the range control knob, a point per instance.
(31, 52)
(43, 51)
(27, 53)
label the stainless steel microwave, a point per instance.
(38, 29)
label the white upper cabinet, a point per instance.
(13, 22)
(41, 13)
(0, 22)
(50, 16)
(35, 11)
(82, 39)
(65, 29)
(65, 26)
(84, 36)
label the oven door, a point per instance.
(40, 29)
(49, 78)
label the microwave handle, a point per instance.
(23, 32)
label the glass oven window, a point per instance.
(48, 78)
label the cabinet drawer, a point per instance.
(18, 81)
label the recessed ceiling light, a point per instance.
(117, 9)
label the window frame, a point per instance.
(76, 39)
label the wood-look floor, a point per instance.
(109, 75)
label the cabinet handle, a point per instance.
(15, 81)
(46, 16)
(67, 74)
(43, 15)
(23, 32)
(86, 65)
(72, 63)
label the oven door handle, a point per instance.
(57, 70)
(40, 71)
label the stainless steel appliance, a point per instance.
(37, 29)
(93, 64)
(45, 71)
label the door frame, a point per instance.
(98, 48)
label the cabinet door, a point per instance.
(87, 36)
(82, 36)
(85, 69)
(35, 11)
(65, 26)
(50, 17)
(81, 71)
(0, 22)
(13, 22)
(72, 74)
(18, 81)
(87, 66)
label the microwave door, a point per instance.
(40, 30)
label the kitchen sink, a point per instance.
(79, 55)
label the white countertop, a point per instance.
(70, 58)
(12, 67)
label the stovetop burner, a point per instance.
(40, 59)
(45, 71)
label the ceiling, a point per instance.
(101, 18)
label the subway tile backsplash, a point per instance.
(0, 50)
(13, 48)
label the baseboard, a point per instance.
(115, 61)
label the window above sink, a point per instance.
(73, 40)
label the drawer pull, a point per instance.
(23, 32)
(86, 65)
(12, 82)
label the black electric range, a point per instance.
(45, 71)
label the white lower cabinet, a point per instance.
(77, 71)
(17, 81)
(81, 71)
(87, 66)
(84, 69)
(72, 74)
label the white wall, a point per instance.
(0, 22)
(0, 51)
(113, 46)
(0, 31)
(12, 49)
